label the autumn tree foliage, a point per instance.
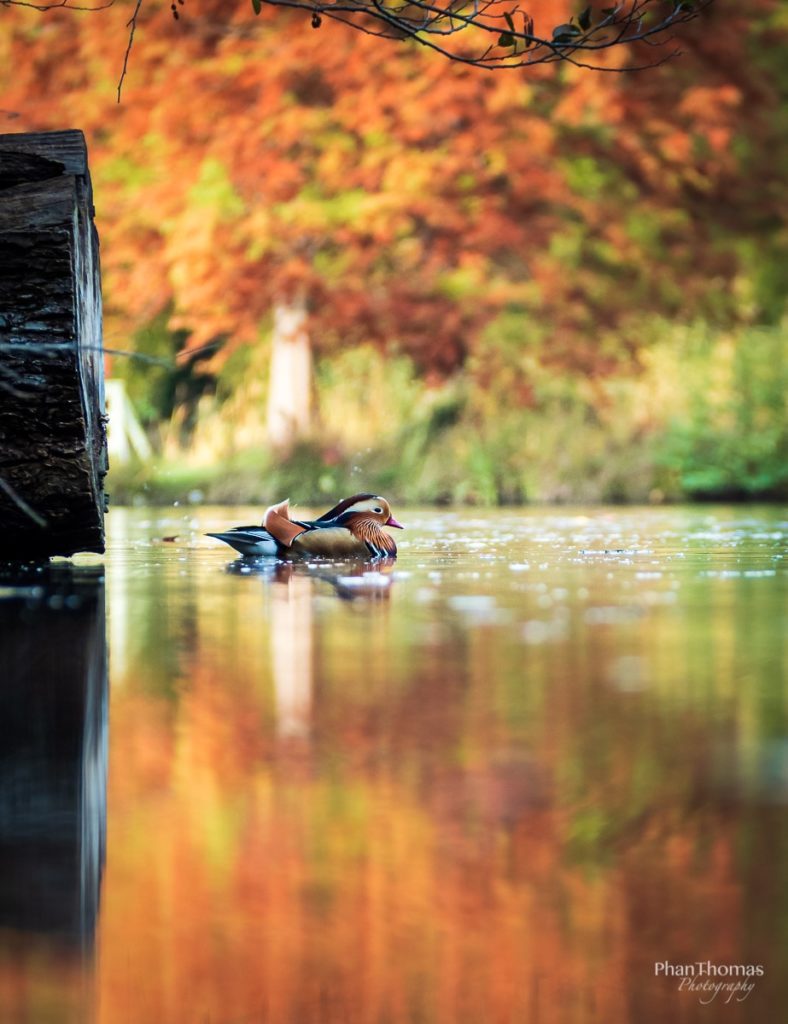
(406, 200)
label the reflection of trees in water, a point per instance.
(53, 772)
(152, 615)
(472, 830)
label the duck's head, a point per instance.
(374, 507)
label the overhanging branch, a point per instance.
(488, 34)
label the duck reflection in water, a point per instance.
(351, 581)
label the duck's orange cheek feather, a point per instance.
(373, 536)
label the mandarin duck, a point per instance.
(351, 529)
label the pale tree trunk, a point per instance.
(290, 383)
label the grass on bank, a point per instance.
(704, 419)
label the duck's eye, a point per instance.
(377, 510)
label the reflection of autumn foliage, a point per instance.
(428, 852)
(40, 979)
(410, 199)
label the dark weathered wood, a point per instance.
(67, 148)
(18, 168)
(52, 437)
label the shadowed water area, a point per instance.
(495, 781)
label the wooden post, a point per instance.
(53, 455)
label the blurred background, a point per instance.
(348, 264)
(551, 748)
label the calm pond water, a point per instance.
(498, 781)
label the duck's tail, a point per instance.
(250, 544)
(278, 523)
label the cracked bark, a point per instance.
(52, 437)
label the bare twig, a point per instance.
(66, 4)
(131, 25)
(20, 503)
(46, 347)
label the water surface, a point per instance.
(496, 781)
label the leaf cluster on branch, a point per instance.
(496, 34)
(489, 34)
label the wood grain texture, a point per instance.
(52, 437)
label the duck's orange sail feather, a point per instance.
(278, 523)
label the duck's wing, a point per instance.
(248, 540)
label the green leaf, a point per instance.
(257, 6)
(506, 39)
(584, 20)
(509, 21)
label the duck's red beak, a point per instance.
(391, 521)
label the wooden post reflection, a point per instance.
(53, 751)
